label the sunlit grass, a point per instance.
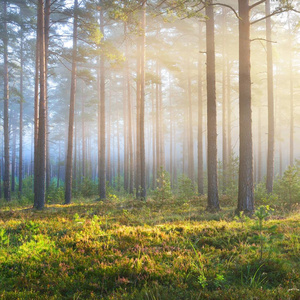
(128, 249)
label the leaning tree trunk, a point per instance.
(271, 126)
(245, 188)
(69, 165)
(6, 182)
(213, 198)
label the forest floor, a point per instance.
(126, 249)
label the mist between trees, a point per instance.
(109, 94)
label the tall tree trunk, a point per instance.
(212, 178)
(41, 140)
(6, 182)
(36, 114)
(259, 150)
(119, 157)
(190, 131)
(229, 147)
(271, 126)
(157, 113)
(245, 193)
(21, 116)
(69, 166)
(125, 127)
(224, 106)
(109, 169)
(142, 106)
(58, 167)
(83, 133)
(13, 161)
(171, 132)
(130, 143)
(291, 95)
(101, 115)
(153, 142)
(46, 29)
(138, 122)
(200, 117)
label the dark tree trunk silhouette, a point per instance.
(271, 126)
(69, 165)
(213, 198)
(245, 189)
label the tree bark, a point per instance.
(101, 115)
(271, 126)
(41, 140)
(245, 189)
(69, 165)
(142, 106)
(6, 179)
(212, 178)
(21, 116)
(200, 117)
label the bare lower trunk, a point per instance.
(213, 198)
(245, 193)
(6, 180)
(271, 126)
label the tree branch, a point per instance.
(228, 6)
(257, 3)
(261, 39)
(276, 12)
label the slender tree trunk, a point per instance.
(83, 133)
(259, 150)
(58, 167)
(13, 161)
(271, 126)
(101, 115)
(119, 156)
(130, 143)
(21, 117)
(138, 122)
(224, 106)
(171, 132)
(213, 198)
(157, 111)
(109, 169)
(69, 166)
(245, 193)
(291, 95)
(153, 142)
(190, 131)
(41, 140)
(200, 117)
(46, 29)
(6, 182)
(142, 108)
(229, 149)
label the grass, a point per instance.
(126, 249)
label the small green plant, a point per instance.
(262, 213)
(241, 217)
(4, 238)
(202, 280)
(186, 188)
(163, 190)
